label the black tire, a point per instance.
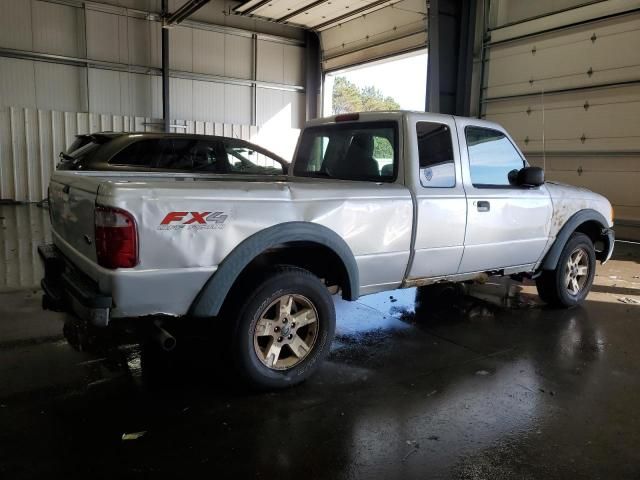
(279, 283)
(552, 284)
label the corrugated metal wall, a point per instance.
(30, 141)
(101, 62)
(567, 87)
(22, 229)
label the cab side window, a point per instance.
(492, 157)
(435, 149)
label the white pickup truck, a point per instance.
(372, 202)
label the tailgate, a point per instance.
(72, 203)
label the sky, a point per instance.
(403, 79)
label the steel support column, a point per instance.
(451, 26)
(313, 74)
(166, 111)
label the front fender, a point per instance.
(210, 299)
(587, 215)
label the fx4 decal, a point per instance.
(193, 221)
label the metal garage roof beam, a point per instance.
(183, 12)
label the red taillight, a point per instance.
(116, 238)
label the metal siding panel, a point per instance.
(7, 190)
(57, 137)
(103, 36)
(156, 97)
(34, 164)
(136, 94)
(181, 49)
(269, 103)
(104, 91)
(139, 124)
(238, 56)
(139, 41)
(15, 25)
(60, 87)
(17, 83)
(293, 65)
(208, 101)
(123, 35)
(297, 104)
(270, 61)
(94, 122)
(83, 124)
(70, 128)
(57, 29)
(118, 123)
(155, 44)
(208, 52)
(181, 97)
(19, 150)
(237, 108)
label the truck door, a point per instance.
(441, 205)
(507, 225)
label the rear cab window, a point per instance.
(360, 151)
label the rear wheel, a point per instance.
(284, 329)
(570, 282)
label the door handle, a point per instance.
(484, 206)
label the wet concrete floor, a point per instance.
(484, 382)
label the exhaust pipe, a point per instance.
(163, 338)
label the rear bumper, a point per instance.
(66, 289)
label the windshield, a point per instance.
(350, 151)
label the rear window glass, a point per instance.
(349, 151)
(168, 153)
(243, 159)
(76, 155)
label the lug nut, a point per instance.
(277, 329)
(293, 324)
(290, 336)
(279, 339)
(284, 320)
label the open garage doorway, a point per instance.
(397, 83)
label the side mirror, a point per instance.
(530, 177)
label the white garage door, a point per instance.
(570, 96)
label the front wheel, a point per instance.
(284, 328)
(570, 282)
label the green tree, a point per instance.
(348, 97)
